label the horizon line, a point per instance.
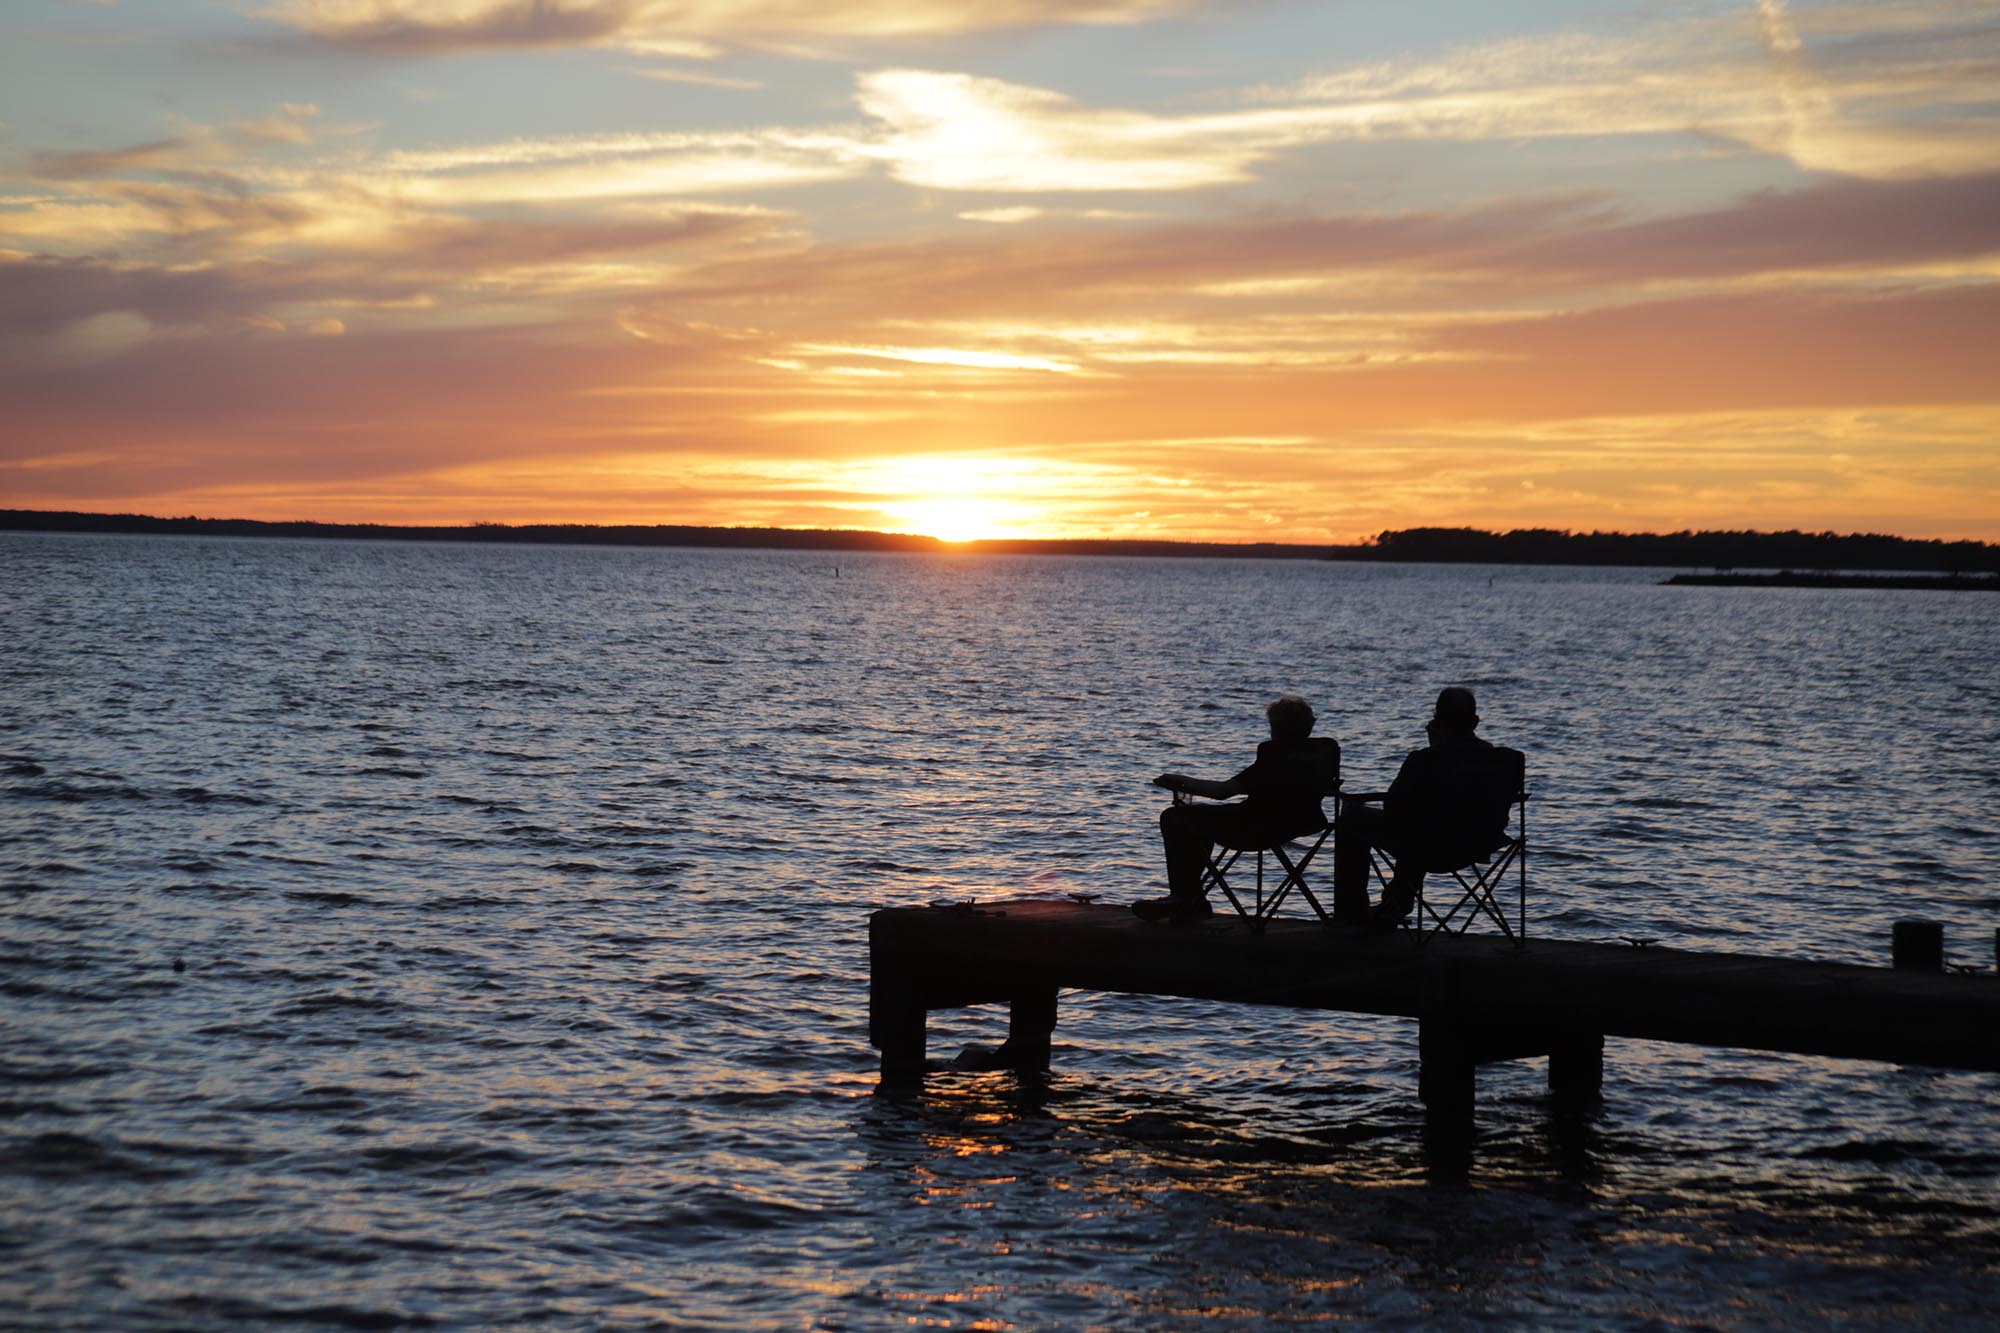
(983, 543)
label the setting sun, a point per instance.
(970, 497)
(959, 518)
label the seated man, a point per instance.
(1282, 792)
(1447, 808)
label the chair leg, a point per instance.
(1264, 901)
(1217, 875)
(1295, 878)
(1479, 896)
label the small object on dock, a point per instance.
(965, 907)
(1088, 898)
(1917, 946)
(1638, 941)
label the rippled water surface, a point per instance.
(475, 936)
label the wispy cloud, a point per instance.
(698, 78)
(432, 27)
(963, 358)
(1862, 98)
(958, 132)
(1871, 110)
(193, 147)
(106, 162)
(1013, 214)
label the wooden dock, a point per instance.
(1477, 998)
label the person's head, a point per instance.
(1457, 713)
(1291, 718)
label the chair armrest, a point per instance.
(1364, 795)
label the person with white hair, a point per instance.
(1281, 794)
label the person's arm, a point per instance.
(1208, 787)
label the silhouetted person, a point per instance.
(1447, 808)
(1281, 792)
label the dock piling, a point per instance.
(1917, 946)
(1576, 1065)
(896, 1022)
(1031, 1022)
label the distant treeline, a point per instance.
(1523, 546)
(1687, 550)
(631, 534)
(583, 534)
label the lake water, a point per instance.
(475, 937)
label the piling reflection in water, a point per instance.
(1179, 1213)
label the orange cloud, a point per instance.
(430, 27)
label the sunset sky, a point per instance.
(1257, 270)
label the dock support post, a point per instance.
(1917, 946)
(1576, 1065)
(1446, 1072)
(1031, 1022)
(896, 1021)
(1447, 1061)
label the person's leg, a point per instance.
(1185, 835)
(1401, 895)
(1354, 834)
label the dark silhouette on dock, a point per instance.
(1282, 791)
(1446, 809)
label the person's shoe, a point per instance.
(1172, 909)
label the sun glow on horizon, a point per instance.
(961, 519)
(959, 497)
(992, 496)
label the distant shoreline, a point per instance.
(1789, 579)
(1823, 555)
(663, 534)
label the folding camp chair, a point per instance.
(1293, 855)
(1482, 784)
